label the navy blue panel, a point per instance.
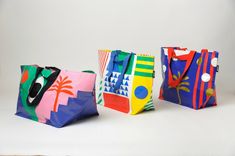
(77, 108)
(20, 111)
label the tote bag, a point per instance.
(189, 77)
(126, 81)
(55, 97)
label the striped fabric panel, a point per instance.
(103, 57)
(144, 66)
(195, 89)
(149, 105)
(201, 95)
(100, 98)
(211, 72)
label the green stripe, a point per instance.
(143, 74)
(149, 107)
(150, 103)
(144, 66)
(99, 102)
(100, 95)
(149, 59)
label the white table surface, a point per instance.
(170, 130)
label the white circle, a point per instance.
(205, 77)
(164, 68)
(214, 62)
(175, 59)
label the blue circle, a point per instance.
(141, 92)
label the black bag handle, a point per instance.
(33, 88)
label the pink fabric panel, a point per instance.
(81, 81)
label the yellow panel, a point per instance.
(137, 104)
(145, 62)
(144, 70)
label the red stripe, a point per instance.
(196, 83)
(210, 82)
(103, 56)
(202, 83)
(105, 60)
(102, 62)
(100, 56)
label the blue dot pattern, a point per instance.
(141, 92)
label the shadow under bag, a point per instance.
(189, 77)
(56, 97)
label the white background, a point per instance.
(68, 33)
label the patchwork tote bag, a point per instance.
(189, 77)
(56, 97)
(126, 81)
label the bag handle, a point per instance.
(50, 81)
(52, 68)
(88, 71)
(187, 57)
(124, 63)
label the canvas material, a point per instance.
(70, 97)
(197, 89)
(135, 92)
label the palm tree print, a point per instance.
(181, 86)
(62, 85)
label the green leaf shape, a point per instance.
(184, 89)
(179, 74)
(184, 83)
(175, 77)
(186, 78)
(199, 60)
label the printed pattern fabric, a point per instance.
(55, 97)
(196, 88)
(134, 92)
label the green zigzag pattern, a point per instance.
(149, 105)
